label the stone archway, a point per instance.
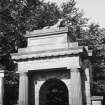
(53, 92)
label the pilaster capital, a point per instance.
(75, 70)
(1, 73)
(75, 67)
(23, 73)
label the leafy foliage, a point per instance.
(94, 37)
(73, 17)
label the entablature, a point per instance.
(43, 64)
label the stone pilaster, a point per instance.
(37, 90)
(23, 89)
(87, 67)
(87, 87)
(76, 90)
(1, 87)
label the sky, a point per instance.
(93, 9)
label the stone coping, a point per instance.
(45, 32)
(96, 98)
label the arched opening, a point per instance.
(53, 92)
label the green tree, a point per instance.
(94, 38)
(11, 34)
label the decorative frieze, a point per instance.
(49, 63)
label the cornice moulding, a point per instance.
(39, 33)
(61, 52)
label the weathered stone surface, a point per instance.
(48, 53)
(52, 53)
(76, 89)
(23, 89)
(96, 100)
(87, 86)
(64, 62)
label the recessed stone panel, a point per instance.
(47, 40)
